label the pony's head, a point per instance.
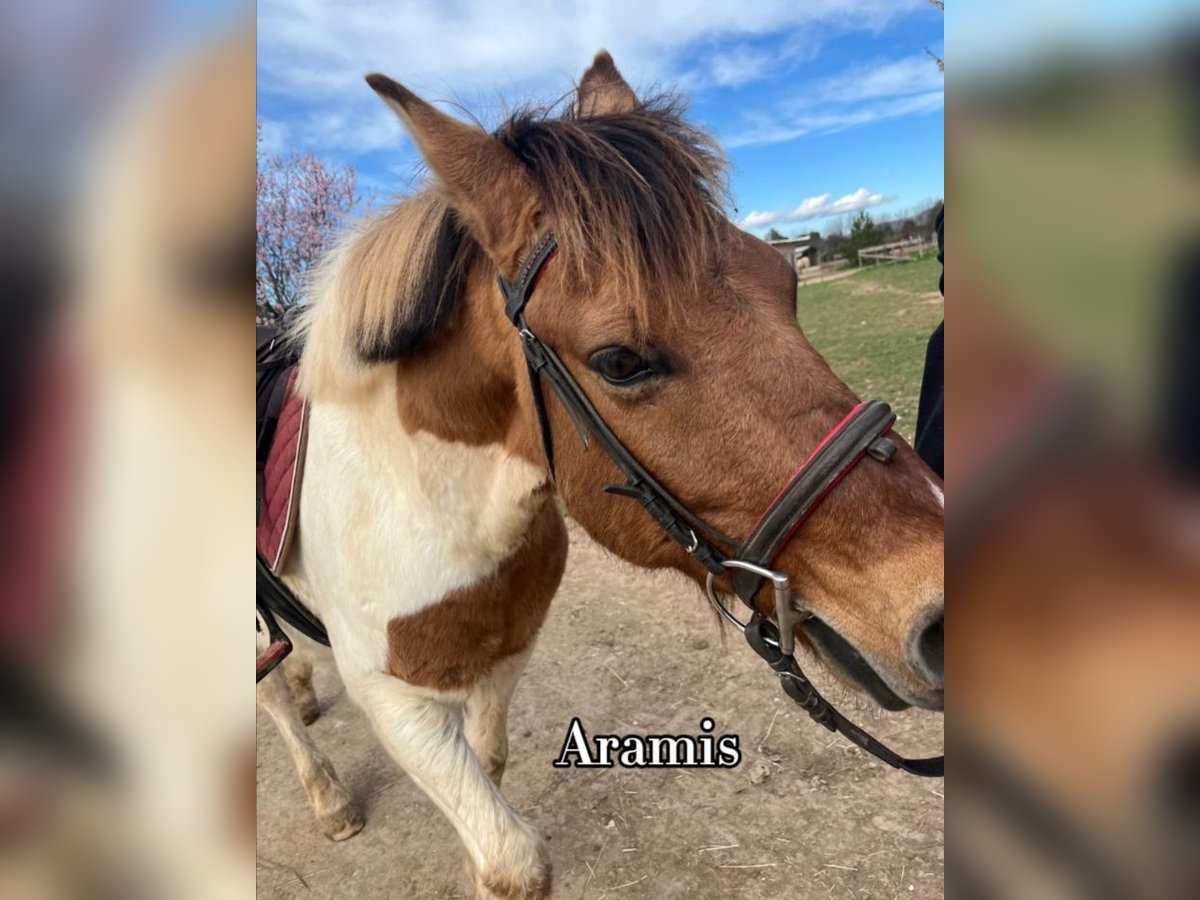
(681, 329)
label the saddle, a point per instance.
(281, 427)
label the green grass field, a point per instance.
(872, 327)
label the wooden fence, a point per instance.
(895, 251)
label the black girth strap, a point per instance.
(277, 597)
(863, 432)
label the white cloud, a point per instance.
(821, 206)
(739, 65)
(858, 96)
(774, 131)
(273, 137)
(314, 52)
(314, 45)
(896, 78)
(351, 130)
(356, 130)
(860, 199)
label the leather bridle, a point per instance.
(863, 432)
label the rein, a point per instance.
(862, 433)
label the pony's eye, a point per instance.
(620, 366)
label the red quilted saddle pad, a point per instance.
(281, 479)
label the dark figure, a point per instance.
(931, 422)
(1179, 411)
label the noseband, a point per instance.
(863, 432)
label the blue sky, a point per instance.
(824, 107)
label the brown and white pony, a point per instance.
(429, 540)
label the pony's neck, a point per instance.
(460, 388)
(457, 384)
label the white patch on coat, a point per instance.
(391, 522)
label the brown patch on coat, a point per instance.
(462, 389)
(452, 644)
(470, 410)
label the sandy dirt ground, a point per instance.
(805, 815)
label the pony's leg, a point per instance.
(486, 717)
(298, 671)
(337, 813)
(423, 730)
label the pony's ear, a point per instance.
(603, 91)
(480, 178)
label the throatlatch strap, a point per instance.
(539, 405)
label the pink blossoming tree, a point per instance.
(300, 203)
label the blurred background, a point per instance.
(126, 707)
(1073, 539)
(126, 136)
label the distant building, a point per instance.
(800, 251)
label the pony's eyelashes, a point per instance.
(622, 367)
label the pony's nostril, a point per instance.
(927, 648)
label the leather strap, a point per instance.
(279, 645)
(763, 637)
(813, 480)
(688, 530)
(276, 596)
(685, 528)
(517, 292)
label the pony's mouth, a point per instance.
(841, 653)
